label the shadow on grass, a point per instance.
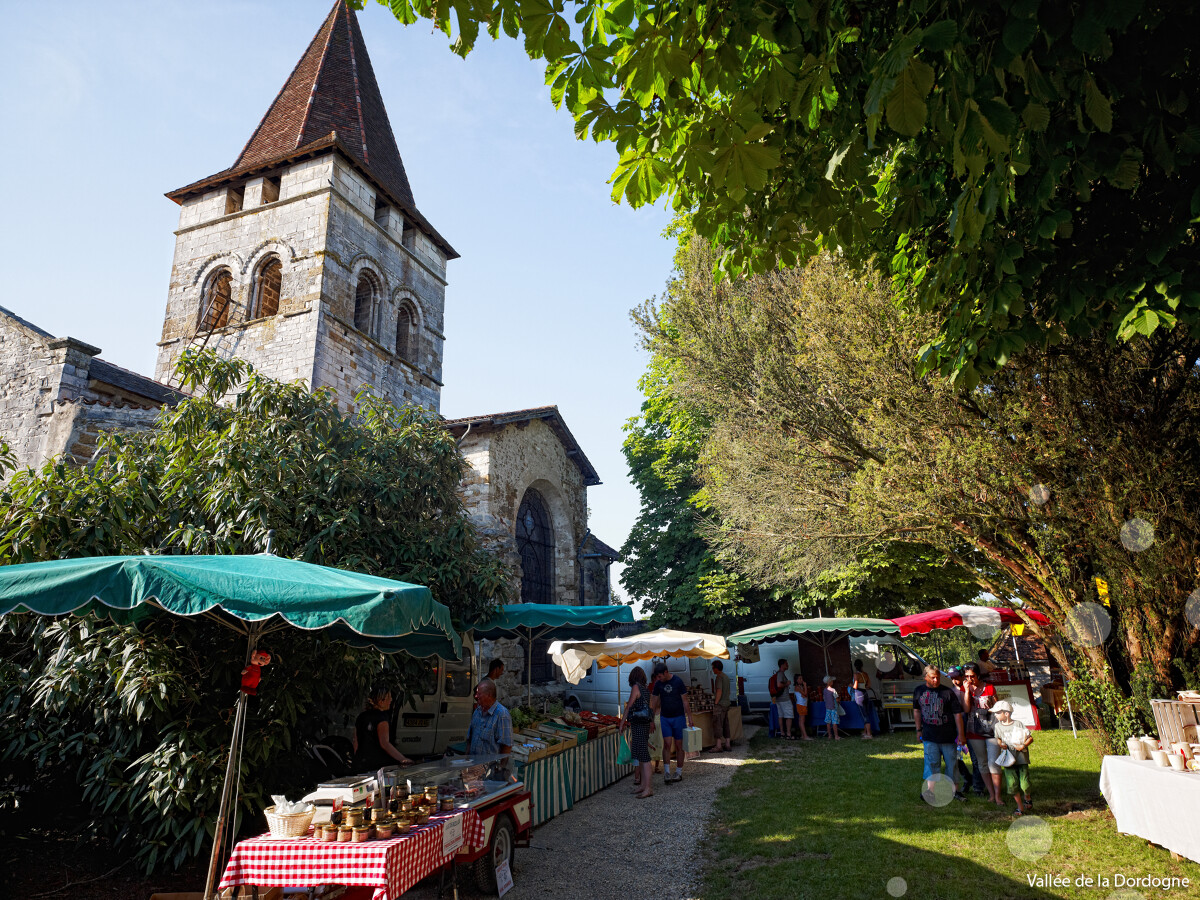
(843, 819)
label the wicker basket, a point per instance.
(295, 825)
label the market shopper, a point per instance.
(832, 713)
(1016, 738)
(639, 719)
(800, 696)
(859, 688)
(373, 747)
(495, 669)
(979, 723)
(940, 719)
(781, 695)
(720, 713)
(671, 695)
(491, 725)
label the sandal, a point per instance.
(644, 796)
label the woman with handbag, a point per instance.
(639, 719)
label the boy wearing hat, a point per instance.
(1013, 736)
(832, 717)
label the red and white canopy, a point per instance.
(977, 618)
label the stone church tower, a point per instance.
(308, 256)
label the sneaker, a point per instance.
(960, 796)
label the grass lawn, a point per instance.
(840, 819)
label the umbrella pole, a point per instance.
(214, 860)
(232, 771)
(529, 669)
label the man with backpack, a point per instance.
(781, 695)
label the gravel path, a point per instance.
(604, 846)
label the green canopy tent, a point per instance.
(254, 595)
(537, 621)
(823, 633)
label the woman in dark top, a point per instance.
(373, 746)
(639, 702)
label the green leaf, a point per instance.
(906, 110)
(940, 35)
(1098, 107)
(1018, 34)
(1036, 116)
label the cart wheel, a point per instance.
(501, 849)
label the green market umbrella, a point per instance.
(821, 632)
(534, 621)
(255, 595)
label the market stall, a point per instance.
(254, 595)
(824, 646)
(540, 621)
(1154, 802)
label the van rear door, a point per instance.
(414, 725)
(457, 703)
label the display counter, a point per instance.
(559, 781)
(1154, 802)
(703, 721)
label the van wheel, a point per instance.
(504, 840)
(572, 704)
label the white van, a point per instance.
(895, 694)
(598, 690)
(441, 710)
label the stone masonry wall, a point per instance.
(348, 358)
(292, 228)
(74, 426)
(520, 456)
(324, 230)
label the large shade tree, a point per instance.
(1029, 170)
(826, 438)
(138, 716)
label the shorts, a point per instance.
(785, 708)
(1016, 778)
(985, 751)
(672, 727)
(832, 717)
(720, 722)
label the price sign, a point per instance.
(504, 880)
(452, 835)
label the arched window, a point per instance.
(364, 302)
(406, 338)
(535, 544)
(266, 288)
(216, 300)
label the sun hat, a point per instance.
(1002, 706)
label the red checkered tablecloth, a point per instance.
(391, 866)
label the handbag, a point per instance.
(642, 716)
(1006, 759)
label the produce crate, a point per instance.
(550, 750)
(567, 738)
(581, 734)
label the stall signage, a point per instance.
(504, 880)
(452, 835)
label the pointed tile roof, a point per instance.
(331, 99)
(332, 89)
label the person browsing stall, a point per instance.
(780, 687)
(495, 669)
(800, 694)
(491, 725)
(720, 713)
(671, 695)
(373, 747)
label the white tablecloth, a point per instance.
(1155, 803)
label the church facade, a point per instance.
(309, 258)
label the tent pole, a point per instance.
(529, 669)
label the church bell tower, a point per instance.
(308, 257)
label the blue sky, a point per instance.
(112, 104)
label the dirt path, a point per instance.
(610, 844)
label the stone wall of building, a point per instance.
(508, 461)
(293, 229)
(324, 230)
(74, 426)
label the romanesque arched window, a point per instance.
(266, 288)
(364, 302)
(406, 337)
(216, 300)
(535, 544)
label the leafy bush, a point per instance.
(137, 719)
(1110, 717)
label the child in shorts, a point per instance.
(1016, 738)
(832, 718)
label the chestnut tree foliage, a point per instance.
(139, 717)
(1029, 170)
(826, 438)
